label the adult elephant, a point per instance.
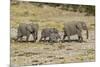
(73, 28)
(49, 33)
(26, 29)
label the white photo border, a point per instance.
(5, 33)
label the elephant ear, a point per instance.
(79, 26)
(29, 28)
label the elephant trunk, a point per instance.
(87, 33)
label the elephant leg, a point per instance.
(80, 38)
(34, 36)
(44, 38)
(40, 39)
(49, 39)
(69, 38)
(19, 38)
(27, 37)
(64, 37)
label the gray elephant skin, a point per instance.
(51, 33)
(73, 28)
(25, 29)
(54, 38)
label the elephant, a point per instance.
(75, 28)
(26, 29)
(47, 33)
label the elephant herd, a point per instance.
(53, 35)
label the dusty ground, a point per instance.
(44, 53)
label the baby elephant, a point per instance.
(49, 33)
(25, 29)
(54, 38)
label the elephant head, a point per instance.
(82, 26)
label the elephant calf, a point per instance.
(73, 28)
(51, 33)
(54, 38)
(27, 29)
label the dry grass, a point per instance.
(46, 16)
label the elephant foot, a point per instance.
(81, 41)
(62, 41)
(69, 41)
(33, 41)
(40, 40)
(20, 41)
